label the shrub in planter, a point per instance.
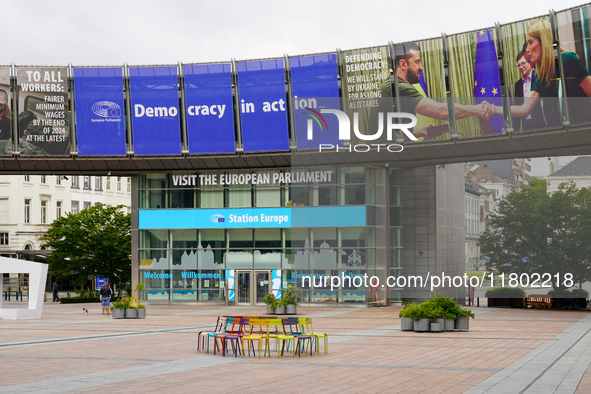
(290, 298)
(271, 302)
(118, 308)
(462, 321)
(406, 321)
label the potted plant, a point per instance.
(132, 308)
(118, 308)
(271, 302)
(141, 308)
(450, 311)
(462, 322)
(280, 307)
(290, 297)
(420, 317)
(406, 322)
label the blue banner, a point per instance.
(209, 108)
(100, 115)
(230, 278)
(155, 110)
(315, 85)
(263, 112)
(252, 217)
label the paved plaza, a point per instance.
(505, 351)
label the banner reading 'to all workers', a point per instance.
(43, 123)
(5, 114)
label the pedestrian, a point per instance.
(55, 290)
(106, 293)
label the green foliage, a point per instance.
(271, 300)
(407, 310)
(96, 241)
(122, 304)
(466, 313)
(290, 296)
(437, 307)
(505, 292)
(552, 233)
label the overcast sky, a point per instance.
(108, 32)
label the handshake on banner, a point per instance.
(486, 111)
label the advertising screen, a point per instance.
(532, 77)
(5, 113)
(575, 35)
(43, 109)
(476, 83)
(262, 107)
(209, 108)
(315, 86)
(155, 110)
(100, 113)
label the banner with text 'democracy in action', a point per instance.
(5, 114)
(43, 124)
(155, 110)
(209, 108)
(262, 107)
(315, 86)
(100, 115)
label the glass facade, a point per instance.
(190, 263)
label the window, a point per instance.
(3, 238)
(87, 204)
(98, 183)
(108, 183)
(58, 180)
(27, 178)
(129, 185)
(58, 209)
(118, 183)
(27, 211)
(87, 182)
(43, 212)
(43, 179)
(74, 207)
(75, 181)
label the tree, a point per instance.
(96, 241)
(534, 232)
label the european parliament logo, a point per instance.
(217, 218)
(106, 109)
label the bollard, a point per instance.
(68, 294)
(9, 294)
(478, 302)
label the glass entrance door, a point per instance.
(243, 287)
(262, 285)
(252, 287)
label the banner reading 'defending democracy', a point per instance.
(364, 71)
(5, 114)
(43, 123)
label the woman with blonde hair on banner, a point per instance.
(578, 82)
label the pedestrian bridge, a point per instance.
(573, 140)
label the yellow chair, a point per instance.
(277, 332)
(261, 336)
(307, 323)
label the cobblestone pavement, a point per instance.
(505, 351)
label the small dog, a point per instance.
(85, 311)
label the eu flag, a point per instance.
(487, 83)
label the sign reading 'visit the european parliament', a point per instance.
(100, 115)
(209, 108)
(262, 107)
(155, 110)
